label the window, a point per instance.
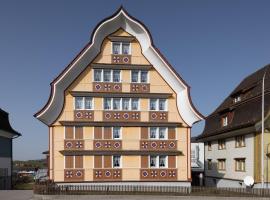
(107, 75)
(237, 99)
(240, 164)
(221, 164)
(72, 162)
(158, 161)
(121, 48)
(209, 144)
(139, 76)
(209, 164)
(158, 104)
(121, 104)
(116, 161)
(116, 132)
(83, 103)
(158, 133)
(224, 121)
(221, 144)
(240, 141)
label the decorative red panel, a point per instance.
(107, 174)
(73, 175)
(121, 116)
(158, 145)
(158, 174)
(107, 87)
(158, 116)
(140, 87)
(121, 59)
(74, 144)
(107, 144)
(83, 115)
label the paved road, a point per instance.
(16, 194)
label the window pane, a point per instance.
(97, 75)
(153, 161)
(116, 75)
(116, 132)
(153, 131)
(107, 104)
(153, 104)
(162, 104)
(116, 104)
(162, 161)
(88, 103)
(107, 75)
(125, 48)
(116, 161)
(144, 76)
(125, 104)
(162, 133)
(134, 76)
(116, 48)
(135, 104)
(79, 103)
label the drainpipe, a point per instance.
(262, 138)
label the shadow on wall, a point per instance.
(213, 174)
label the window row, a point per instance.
(121, 104)
(109, 75)
(240, 164)
(123, 48)
(239, 142)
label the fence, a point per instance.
(53, 189)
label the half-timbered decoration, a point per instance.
(119, 112)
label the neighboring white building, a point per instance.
(197, 162)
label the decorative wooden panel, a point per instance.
(158, 144)
(107, 145)
(107, 174)
(78, 161)
(121, 116)
(158, 116)
(121, 59)
(107, 135)
(98, 133)
(144, 133)
(69, 132)
(158, 174)
(171, 161)
(83, 115)
(69, 161)
(107, 161)
(107, 87)
(171, 133)
(78, 133)
(97, 161)
(73, 144)
(144, 161)
(140, 87)
(73, 175)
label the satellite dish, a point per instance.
(249, 181)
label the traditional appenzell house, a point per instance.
(232, 135)
(119, 112)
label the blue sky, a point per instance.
(212, 44)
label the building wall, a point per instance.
(230, 153)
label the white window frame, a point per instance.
(121, 48)
(157, 162)
(225, 121)
(101, 78)
(120, 163)
(157, 133)
(157, 105)
(139, 76)
(121, 106)
(111, 76)
(74, 103)
(120, 133)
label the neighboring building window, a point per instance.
(221, 164)
(221, 144)
(224, 121)
(209, 164)
(240, 164)
(83, 103)
(158, 133)
(209, 144)
(107, 75)
(121, 104)
(240, 141)
(158, 161)
(158, 104)
(121, 48)
(116, 161)
(116, 132)
(237, 99)
(139, 76)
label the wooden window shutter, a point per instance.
(144, 133)
(78, 161)
(69, 132)
(98, 133)
(107, 133)
(69, 160)
(107, 161)
(98, 161)
(79, 132)
(144, 161)
(171, 161)
(171, 133)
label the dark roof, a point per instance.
(4, 123)
(244, 113)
